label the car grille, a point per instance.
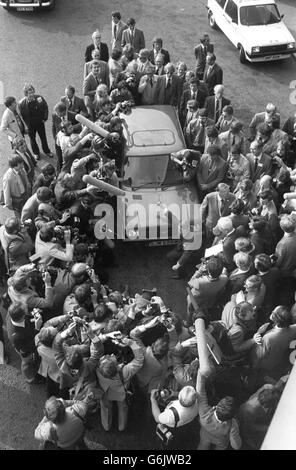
(275, 48)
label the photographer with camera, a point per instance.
(50, 250)
(187, 161)
(177, 423)
(21, 288)
(77, 352)
(70, 277)
(84, 300)
(157, 357)
(48, 367)
(63, 426)
(16, 243)
(21, 330)
(114, 379)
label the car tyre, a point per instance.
(242, 55)
(212, 21)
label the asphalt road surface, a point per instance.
(47, 49)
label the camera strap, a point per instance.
(176, 415)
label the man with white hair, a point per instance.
(215, 104)
(261, 118)
(179, 416)
(147, 86)
(168, 88)
(143, 61)
(228, 234)
(99, 46)
(215, 205)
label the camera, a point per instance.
(36, 313)
(60, 230)
(163, 396)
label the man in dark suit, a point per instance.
(229, 235)
(90, 84)
(59, 116)
(215, 104)
(133, 36)
(200, 52)
(262, 118)
(159, 66)
(74, 104)
(194, 93)
(98, 45)
(192, 114)
(213, 74)
(211, 170)
(261, 163)
(34, 111)
(157, 49)
(117, 28)
(195, 132)
(168, 88)
(215, 205)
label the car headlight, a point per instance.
(291, 45)
(255, 49)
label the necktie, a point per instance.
(115, 30)
(132, 38)
(19, 122)
(255, 164)
(168, 83)
(201, 136)
(217, 110)
(151, 82)
(70, 103)
(222, 206)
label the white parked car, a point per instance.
(255, 27)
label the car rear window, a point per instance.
(151, 138)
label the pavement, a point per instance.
(47, 49)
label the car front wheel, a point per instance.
(212, 21)
(242, 55)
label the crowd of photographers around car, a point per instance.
(96, 347)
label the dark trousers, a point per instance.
(59, 158)
(53, 389)
(40, 129)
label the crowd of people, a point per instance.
(95, 347)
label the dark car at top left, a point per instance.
(27, 5)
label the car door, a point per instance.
(231, 21)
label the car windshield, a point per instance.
(151, 171)
(255, 15)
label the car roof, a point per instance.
(253, 2)
(152, 130)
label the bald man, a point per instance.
(215, 104)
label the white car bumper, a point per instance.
(25, 5)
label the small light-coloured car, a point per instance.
(156, 196)
(255, 27)
(27, 5)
